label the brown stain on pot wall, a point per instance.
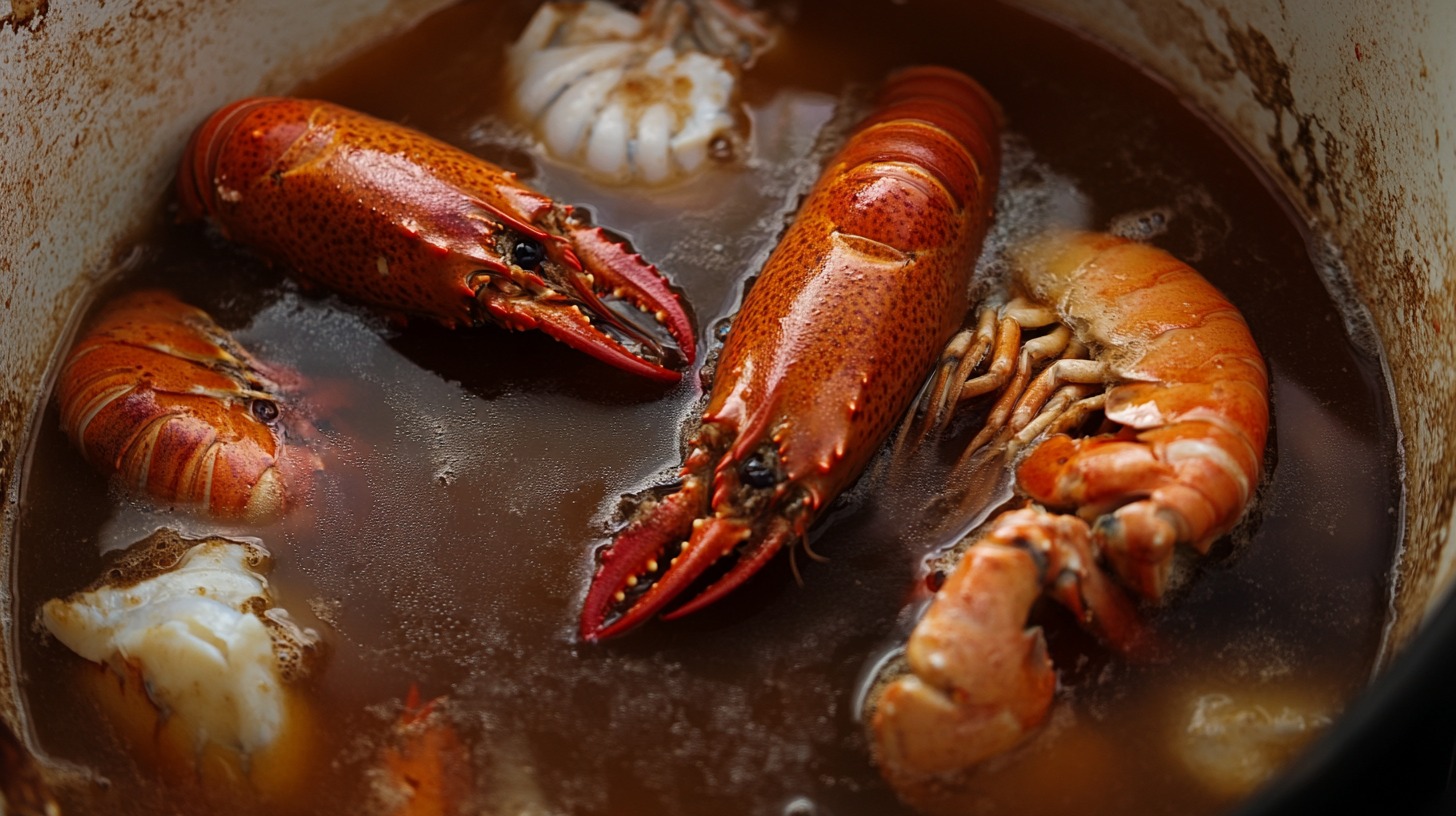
(1302, 157)
(22, 12)
(1302, 146)
(1178, 25)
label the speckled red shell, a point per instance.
(850, 312)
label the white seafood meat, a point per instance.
(198, 623)
(1235, 744)
(645, 97)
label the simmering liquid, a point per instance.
(470, 476)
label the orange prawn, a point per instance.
(1170, 363)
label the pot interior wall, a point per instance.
(1345, 106)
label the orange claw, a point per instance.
(981, 681)
(833, 340)
(394, 218)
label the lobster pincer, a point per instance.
(394, 218)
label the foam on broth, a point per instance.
(470, 476)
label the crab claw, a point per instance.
(599, 298)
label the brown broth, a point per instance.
(470, 476)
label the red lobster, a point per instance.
(833, 340)
(159, 395)
(397, 219)
(1169, 362)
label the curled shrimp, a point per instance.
(1137, 335)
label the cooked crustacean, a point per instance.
(647, 97)
(159, 395)
(1144, 340)
(195, 662)
(409, 224)
(425, 768)
(881, 251)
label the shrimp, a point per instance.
(1170, 363)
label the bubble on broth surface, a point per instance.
(1032, 198)
(1329, 264)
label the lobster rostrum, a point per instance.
(833, 340)
(158, 395)
(1142, 339)
(392, 217)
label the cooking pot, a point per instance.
(1344, 105)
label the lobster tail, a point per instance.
(158, 395)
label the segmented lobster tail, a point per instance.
(159, 396)
(832, 342)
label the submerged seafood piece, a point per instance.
(160, 396)
(23, 787)
(1144, 340)
(425, 768)
(193, 645)
(646, 97)
(833, 340)
(394, 218)
(1234, 743)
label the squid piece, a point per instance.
(646, 97)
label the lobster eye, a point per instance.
(264, 410)
(756, 471)
(528, 254)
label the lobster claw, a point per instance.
(662, 555)
(606, 301)
(409, 224)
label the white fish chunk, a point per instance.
(197, 621)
